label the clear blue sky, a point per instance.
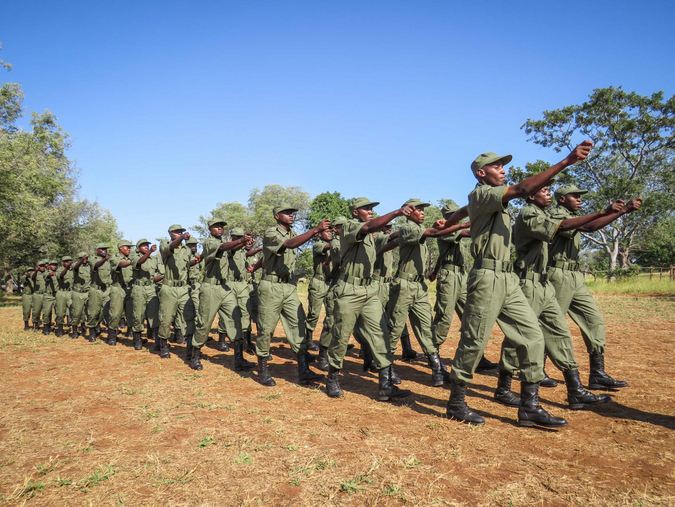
(175, 106)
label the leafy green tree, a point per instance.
(327, 205)
(656, 246)
(262, 202)
(632, 156)
(235, 213)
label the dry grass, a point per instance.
(91, 424)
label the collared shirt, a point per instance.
(450, 249)
(27, 285)
(65, 283)
(357, 255)
(39, 284)
(532, 231)
(278, 260)
(384, 263)
(82, 277)
(490, 223)
(121, 275)
(145, 271)
(326, 257)
(102, 275)
(237, 265)
(566, 245)
(413, 249)
(175, 262)
(216, 264)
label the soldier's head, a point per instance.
(217, 226)
(85, 258)
(387, 229)
(418, 205)
(53, 264)
(541, 198)
(42, 265)
(569, 196)
(124, 247)
(143, 246)
(102, 250)
(326, 235)
(337, 223)
(176, 230)
(284, 214)
(66, 261)
(488, 168)
(192, 244)
(362, 208)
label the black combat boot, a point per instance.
(164, 348)
(504, 394)
(195, 359)
(26, 326)
(112, 337)
(530, 413)
(487, 367)
(578, 397)
(599, 378)
(250, 348)
(178, 337)
(309, 340)
(59, 330)
(322, 360)
(548, 381)
(47, 329)
(332, 383)
(304, 373)
(367, 354)
(92, 335)
(264, 376)
(457, 408)
(36, 325)
(387, 391)
(148, 331)
(436, 372)
(222, 344)
(241, 364)
(189, 348)
(83, 329)
(408, 353)
(73, 332)
(395, 379)
(138, 340)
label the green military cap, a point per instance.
(361, 202)
(176, 228)
(216, 221)
(141, 241)
(417, 203)
(192, 241)
(102, 245)
(237, 231)
(571, 188)
(283, 207)
(82, 254)
(449, 209)
(489, 158)
(66, 258)
(28, 269)
(124, 242)
(53, 261)
(339, 220)
(42, 262)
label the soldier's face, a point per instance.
(338, 230)
(175, 235)
(216, 230)
(144, 249)
(572, 202)
(41, 267)
(125, 250)
(193, 248)
(327, 235)
(364, 213)
(101, 252)
(417, 215)
(67, 264)
(492, 174)
(542, 198)
(286, 217)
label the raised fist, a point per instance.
(616, 206)
(407, 210)
(153, 248)
(634, 204)
(439, 224)
(581, 152)
(186, 235)
(324, 225)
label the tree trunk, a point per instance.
(613, 258)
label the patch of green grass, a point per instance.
(350, 486)
(411, 462)
(98, 476)
(243, 458)
(637, 285)
(45, 468)
(272, 396)
(292, 447)
(31, 489)
(206, 441)
(392, 490)
(63, 482)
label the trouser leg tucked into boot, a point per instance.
(164, 348)
(250, 348)
(264, 376)
(241, 364)
(504, 394)
(322, 360)
(387, 391)
(457, 408)
(138, 341)
(599, 378)
(222, 344)
(409, 353)
(92, 334)
(530, 412)
(26, 325)
(112, 337)
(485, 366)
(59, 330)
(548, 381)
(195, 359)
(47, 329)
(179, 338)
(304, 373)
(578, 397)
(437, 374)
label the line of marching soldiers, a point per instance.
(179, 292)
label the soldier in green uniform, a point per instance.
(64, 280)
(571, 292)
(49, 299)
(38, 293)
(532, 231)
(278, 295)
(79, 295)
(174, 292)
(216, 295)
(98, 298)
(144, 298)
(450, 274)
(493, 290)
(325, 260)
(409, 293)
(27, 288)
(238, 281)
(356, 298)
(195, 275)
(253, 265)
(120, 292)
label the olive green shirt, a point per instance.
(216, 264)
(326, 260)
(196, 271)
(27, 285)
(490, 223)
(121, 275)
(566, 245)
(101, 276)
(175, 262)
(65, 283)
(278, 260)
(413, 249)
(532, 231)
(450, 250)
(144, 272)
(82, 277)
(237, 265)
(50, 283)
(39, 282)
(384, 263)
(357, 255)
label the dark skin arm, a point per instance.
(377, 224)
(65, 270)
(79, 262)
(453, 219)
(534, 183)
(253, 267)
(253, 251)
(197, 259)
(123, 264)
(234, 245)
(599, 223)
(583, 221)
(175, 243)
(301, 239)
(146, 256)
(433, 232)
(102, 261)
(392, 242)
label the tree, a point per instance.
(235, 213)
(262, 202)
(632, 156)
(327, 205)
(656, 246)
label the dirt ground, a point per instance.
(87, 423)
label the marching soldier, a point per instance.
(64, 279)
(120, 291)
(49, 299)
(80, 294)
(27, 288)
(38, 293)
(99, 292)
(144, 298)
